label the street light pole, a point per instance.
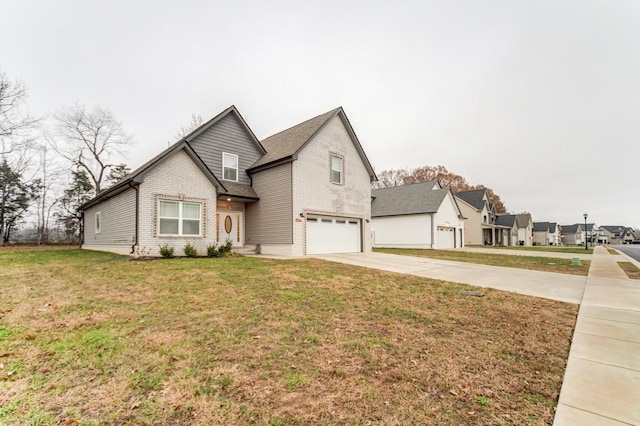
(585, 232)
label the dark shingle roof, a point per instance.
(571, 229)
(541, 226)
(475, 197)
(234, 189)
(407, 199)
(287, 142)
(616, 230)
(506, 220)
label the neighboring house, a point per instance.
(304, 190)
(525, 229)
(594, 235)
(555, 234)
(520, 228)
(419, 215)
(572, 234)
(541, 234)
(480, 214)
(546, 234)
(628, 236)
(508, 222)
(618, 234)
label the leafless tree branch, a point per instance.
(90, 139)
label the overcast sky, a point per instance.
(538, 100)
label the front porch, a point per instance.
(494, 235)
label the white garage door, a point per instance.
(330, 234)
(445, 237)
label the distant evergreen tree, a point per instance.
(79, 192)
(15, 198)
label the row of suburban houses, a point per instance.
(304, 190)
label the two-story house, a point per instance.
(301, 191)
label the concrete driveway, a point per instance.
(562, 287)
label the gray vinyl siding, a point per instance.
(230, 136)
(118, 217)
(270, 220)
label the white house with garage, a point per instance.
(305, 190)
(420, 215)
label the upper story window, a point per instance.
(229, 166)
(337, 169)
(179, 218)
(98, 222)
(484, 218)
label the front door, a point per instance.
(230, 226)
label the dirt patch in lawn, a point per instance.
(630, 269)
(87, 338)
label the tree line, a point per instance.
(446, 179)
(50, 166)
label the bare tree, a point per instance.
(457, 183)
(46, 187)
(196, 121)
(15, 123)
(90, 140)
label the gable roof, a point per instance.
(506, 220)
(542, 226)
(614, 229)
(137, 176)
(523, 220)
(571, 229)
(231, 110)
(284, 146)
(475, 197)
(415, 198)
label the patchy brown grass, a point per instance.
(92, 338)
(552, 249)
(630, 269)
(545, 264)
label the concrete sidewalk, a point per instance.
(549, 285)
(602, 380)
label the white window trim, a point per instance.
(225, 167)
(341, 158)
(180, 218)
(98, 222)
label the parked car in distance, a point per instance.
(635, 242)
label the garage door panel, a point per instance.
(445, 237)
(326, 234)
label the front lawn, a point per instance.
(545, 264)
(94, 338)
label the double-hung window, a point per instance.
(98, 222)
(336, 169)
(179, 218)
(229, 166)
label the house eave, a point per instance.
(274, 163)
